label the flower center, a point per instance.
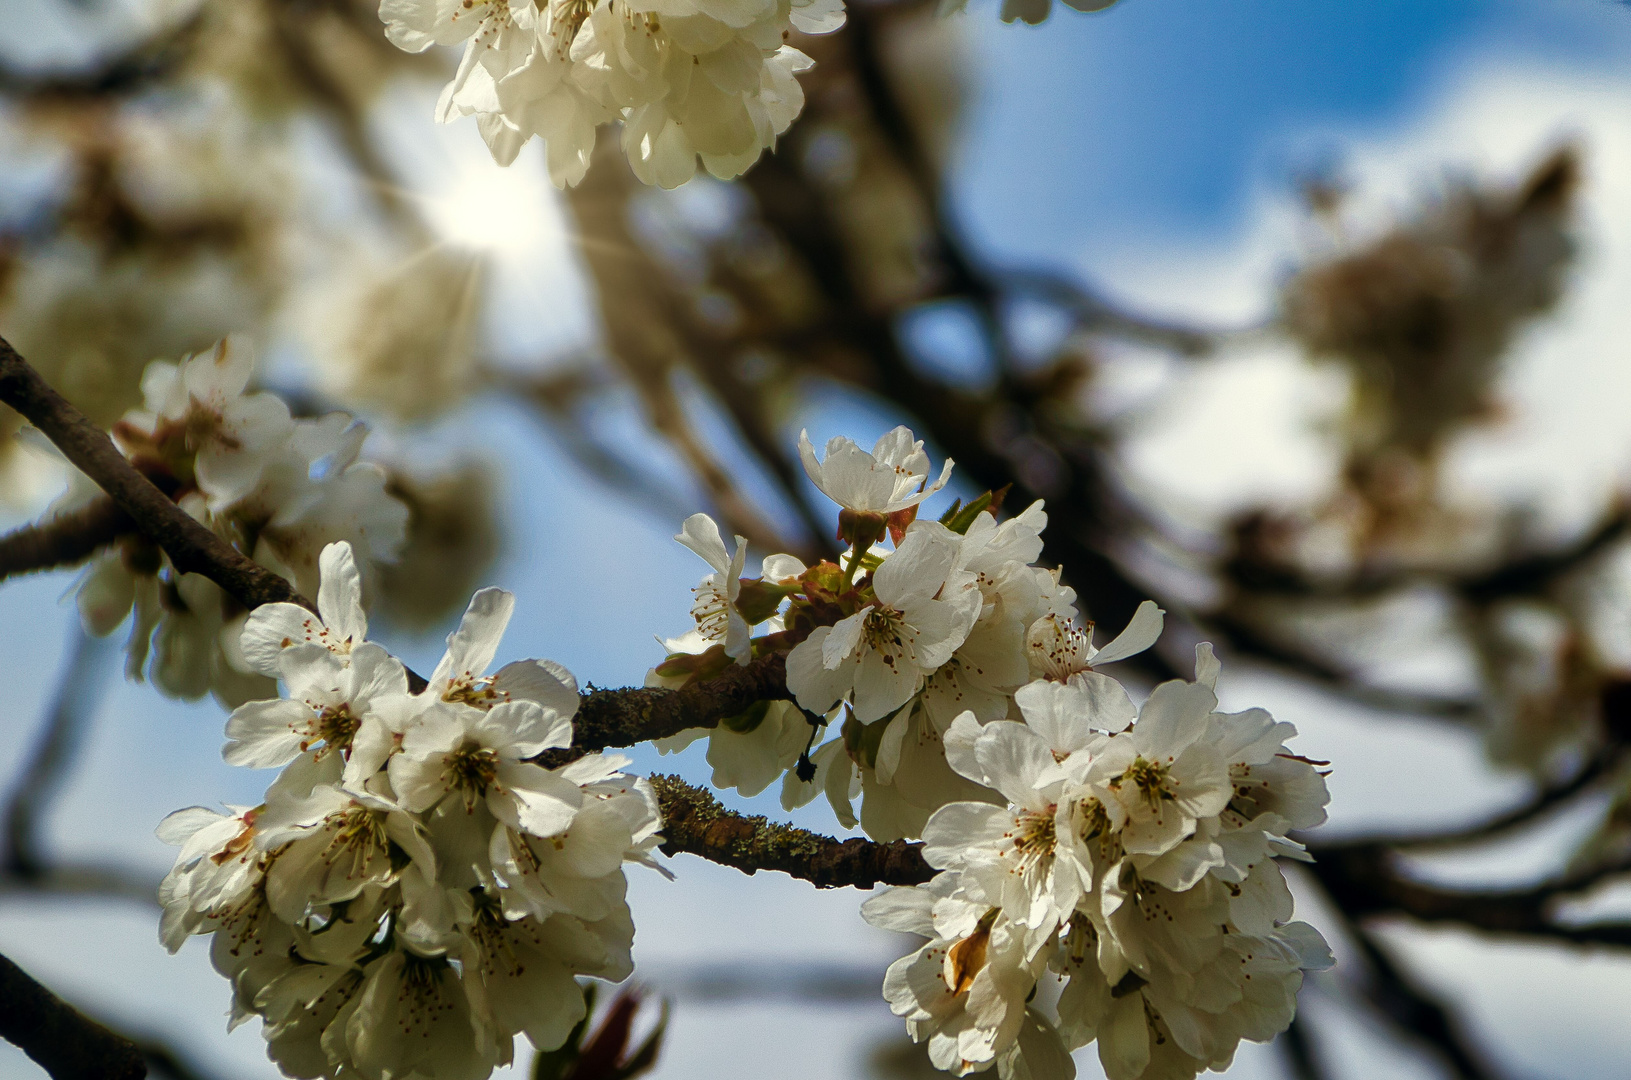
(238, 844)
(334, 727)
(1034, 835)
(885, 632)
(358, 834)
(469, 690)
(472, 770)
(711, 610)
(1150, 778)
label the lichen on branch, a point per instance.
(694, 822)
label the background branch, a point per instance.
(66, 1043)
(43, 772)
(66, 539)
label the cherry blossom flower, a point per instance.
(479, 755)
(881, 655)
(339, 625)
(461, 675)
(894, 477)
(715, 610)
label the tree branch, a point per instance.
(1362, 881)
(65, 540)
(192, 548)
(78, 690)
(64, 1042)
(694, 822)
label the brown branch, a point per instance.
(608, 718)
(64, 1042)
(123, 74)
(65, 540)
(192, 548)
(694, 822)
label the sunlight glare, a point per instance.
(494, 209)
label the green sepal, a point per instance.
(759, 599)
(555, 1064)
(861, 741)
(694, 666)
(747, 720)
(959, 519)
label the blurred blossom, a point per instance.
(399, 336)
(453, 538)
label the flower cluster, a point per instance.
(1124, 855)
(415, 891)
(898, 642)
(1131, 861)
(689, 79)
(277, 488)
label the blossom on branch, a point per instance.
(278, 489)
(414, 892)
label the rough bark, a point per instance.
(694, 822)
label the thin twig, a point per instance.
(695, 823)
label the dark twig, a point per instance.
(1302, 1061)
(42, 773)
(1546, 799)
(695, 823)
(1363, 881)
(1412, 1008)
(628, 717)
(65, 540)
(143, 65)
(64, 1042)
(192, 548)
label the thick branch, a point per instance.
(64, 540)
(65, 1043)
(694, 822)
(192, 548)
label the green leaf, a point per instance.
(962, 519)
(958, 521)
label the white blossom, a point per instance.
(894, 477)
(881, 655)
(715, 609)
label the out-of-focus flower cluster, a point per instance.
(414, 891)
(1126, 853)
(275, 487)
(712, 79)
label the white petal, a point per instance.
(1142, 632)
(339, 594)
(841, 640)
(701, 535)
(471, 648)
